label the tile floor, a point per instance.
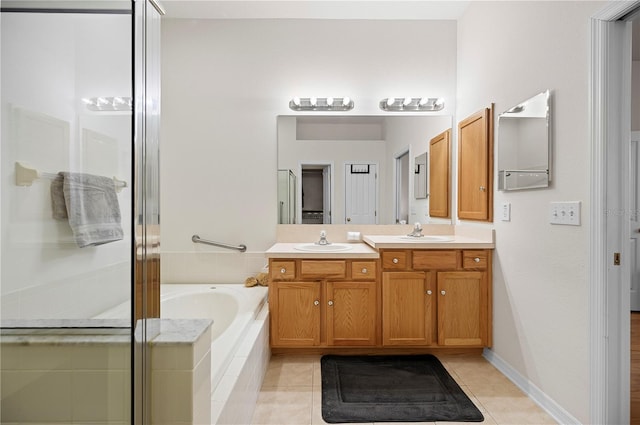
(291, 393)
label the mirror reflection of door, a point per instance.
(634, 203)
(316, 193)
(361, 193)
(402, 188)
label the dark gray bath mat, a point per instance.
(392, 389)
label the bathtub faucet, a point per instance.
(417, 231)
(323, 239)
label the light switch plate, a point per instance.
(567, 213)
(505, 211)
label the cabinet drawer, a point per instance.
(474, 259)
(395, 260)
(434, 260)
(282, 270)
(323, 268)
(363, 270)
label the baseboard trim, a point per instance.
(533, 392)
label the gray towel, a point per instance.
(91, 206)
(58, 205)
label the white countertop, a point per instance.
(287, 250)
(457, 242)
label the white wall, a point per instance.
(507, 52)
(49, 63)
(225, 82)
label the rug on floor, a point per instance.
(414, 388)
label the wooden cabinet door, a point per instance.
(462, 309)
(475, 166)
(439, 175)
(295, 313)
(351, 313)
(407, 308)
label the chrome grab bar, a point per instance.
(198, 239)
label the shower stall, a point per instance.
(79, 209)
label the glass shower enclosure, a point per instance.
(79, 184)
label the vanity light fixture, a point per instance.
(412, 104)
(116, 103)
(321, 104)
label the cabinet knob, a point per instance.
(395, 261)
(477, 260)
(283, 270)
(482, 188)
(316, 302)
(330, 303)
(443, 292)
(364, 270)
(429, 292)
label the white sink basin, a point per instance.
(312, 247)
(427, 238)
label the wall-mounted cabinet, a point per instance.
(440, 175)
(475, 166)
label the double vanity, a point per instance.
(387, 292)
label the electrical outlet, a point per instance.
(567, 213)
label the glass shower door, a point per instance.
(66, 260)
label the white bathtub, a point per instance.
(239, 342)
(232, 308)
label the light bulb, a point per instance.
(313, 101)
(407, 101)
(296, 101)
(423, 101)
(346, 101)
(391, 101)
(330, 101)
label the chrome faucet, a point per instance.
(323, 239)
(417, 231)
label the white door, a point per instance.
(361, 192)
(634, 204)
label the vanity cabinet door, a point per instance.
(407, 308)
(351, 313)
(475, 166)
(462, 309)
(295, 313)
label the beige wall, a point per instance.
(507, 52)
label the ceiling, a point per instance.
(315, 9)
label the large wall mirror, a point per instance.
(524, 144)
(354, 169)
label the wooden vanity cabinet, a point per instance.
(440, 298)
(407, 309)
(317, 303)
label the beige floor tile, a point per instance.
(283, 406)
(293, 386)
(290, 371)
(515, 410)
(317, 374)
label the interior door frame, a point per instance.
(326, 164)
(634, 173)
(609, 285)
(396, 183)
